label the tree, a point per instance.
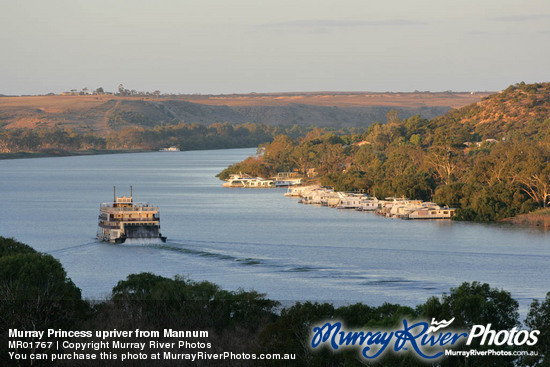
(121, 90)
(278, 153)
(416, 139)
(478, 303)
(475, 304)
(37, 278)
(538, 318)
(393, 117)
(290, 334)
(534, 175)
(163, 302)
(35, 293)
(445, 161)
(9, 246)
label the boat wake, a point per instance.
(60, 250)
(184, 248)
(305, 270)
(142, 241)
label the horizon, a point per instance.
(245, 47)
(115, 93)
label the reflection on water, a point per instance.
(255, 238)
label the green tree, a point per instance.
(278, 153)
(416, 139)
(9, 246)
(35, 294)
(538, 318)
(291, 331)
(157, 300)
(475, 304)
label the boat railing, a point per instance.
(153, 220)
(138, 219)
(134, 207)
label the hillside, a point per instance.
(521, 109)
(101, 114)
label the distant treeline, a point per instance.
(184, 136)
(460, 159)
(37, 295)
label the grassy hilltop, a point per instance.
(521, 109)
(101, 114)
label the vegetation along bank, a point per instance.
(490, 160)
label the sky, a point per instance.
(244, 46)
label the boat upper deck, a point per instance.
(135, 207)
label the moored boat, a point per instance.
(244, 180)
(170, 149)
(431, 212)
(237, 180)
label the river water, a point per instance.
(255, 238)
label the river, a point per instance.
(255, 238)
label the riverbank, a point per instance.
(538, 218)
(65, 153)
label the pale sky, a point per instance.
(242, 46)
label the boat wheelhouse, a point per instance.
(123, 219)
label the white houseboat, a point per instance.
(300, 191)
(280, 182)
(244, 180)
(368, 204)
(351, 200)
(434, 212)
(260, 183)
(170, 149)
(237, 180)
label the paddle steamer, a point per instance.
(123, 219)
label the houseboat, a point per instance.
(283, 179)
(237, 180)
(170, 149)
(244, 180)
(123, 219)
(433, 212)
(368, 204)
(300, 191)
(350, 200)
(260, 183)
(389, 207)
(288, 182)
(320, 196)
